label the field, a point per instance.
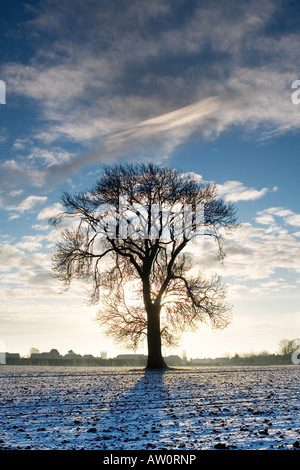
(122, 409)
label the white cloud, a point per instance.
(10, 165)
(234, 191)
(21, 144)
(252, 254)
(53, 157)
(262, 252)
(12, 201)
(49, 211)
(276, 285)
(278, 211)
(294, 219)
(30, 243)
(287, 215)
(16, 192)
(29, 203)
(14, 216)
(20, 173)
(40, 227)
(26, 277)
(265, 219)
(113, 101)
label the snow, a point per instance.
(129, 409)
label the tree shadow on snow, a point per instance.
(135, 420)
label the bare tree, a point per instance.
(33, 351)
(130, 241)
(288, 346)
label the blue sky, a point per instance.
(205, 87)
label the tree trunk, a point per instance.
(155, 359)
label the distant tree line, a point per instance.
(287, 346)
(288, 353)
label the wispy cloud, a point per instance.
(234, 191)
(254, 254)
(289, 217)
(28, 203)
(49, 211)
(117, 88)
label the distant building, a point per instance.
(2, 357)
(200, 362)
(131, 360)
(88, 356)
(174, 360)
(103, 354)
(10, 358)
(71, 356)
(12, 355)
(45, 355)
(222, 360)
(171, 360)
(130, 357)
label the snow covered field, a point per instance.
(122, 409)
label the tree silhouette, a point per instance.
(128, 237)
(288, 346)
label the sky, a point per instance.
(202, 86)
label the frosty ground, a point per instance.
(57, 408)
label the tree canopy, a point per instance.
(128, 238)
